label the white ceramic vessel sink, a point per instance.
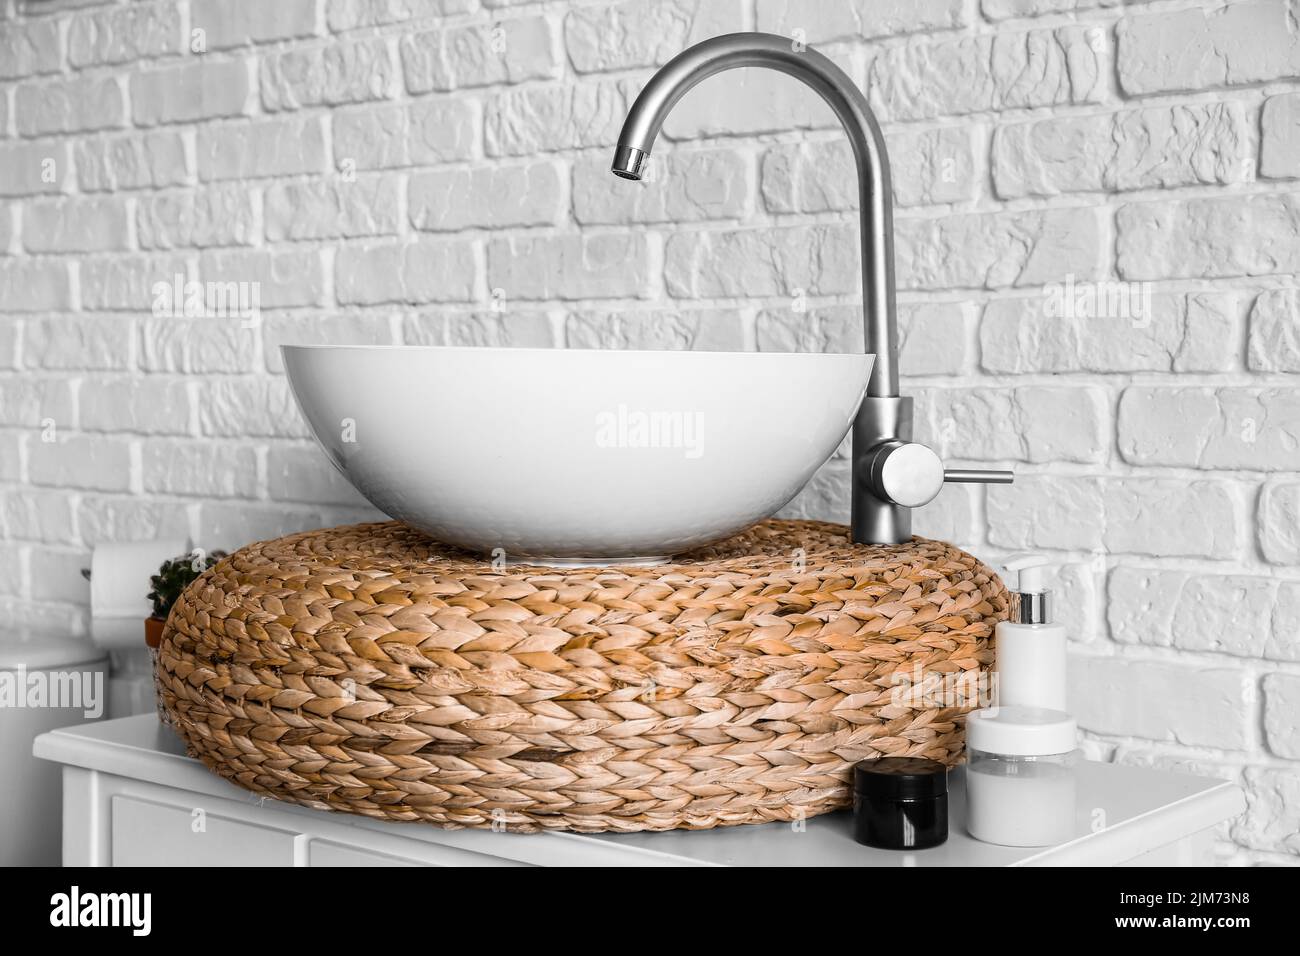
(576, 456)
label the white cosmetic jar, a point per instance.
(1020, 776)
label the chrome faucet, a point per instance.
(891, 473)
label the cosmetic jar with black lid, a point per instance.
(900, 803)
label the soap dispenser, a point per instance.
(1030, 666)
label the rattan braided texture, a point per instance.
(371, 670)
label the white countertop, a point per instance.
(1123, 812)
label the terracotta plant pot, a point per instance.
(153, 631)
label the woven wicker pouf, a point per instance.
(372, 670)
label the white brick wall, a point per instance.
(435, 171)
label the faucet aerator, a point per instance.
(629, 163)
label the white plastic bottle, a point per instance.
(1030, 666)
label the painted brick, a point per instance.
(215, 216)
(234, 23)
(344, 15)
(1205, 238)
(569, 267)
(1197, 707)
(510, 51)
(81, 343)
(332, 208)
(275, 147)
(206, 468)
(932, 336)
(700, 330)
(1149, 516)
(820, 21)
(135, 32)
(36, 286)
(195, 91)
(1282, 714)
(1272, 817)
(372, 137)
(642, 33)
(77, 225)
(69, 106)
(1279, 522)
(95, 462)
(1136, 149)
(1274, 344)
(1200, 49)
(11, 461)
(1282, 644)
(423, 271)
(197, 345)
(104, 519)
(133, 161)
(994, 250)
(31, 169)
(126, 283)
(442, 131)
(8, 343)
(343, 72)
(1053, 67)
(12, 567)
(446, 200)
(283, 278)
(37, 515)
(1279, 155)
(1124, 515)
(686, 186)
(548, 117)
(243, 406)
(1008, 9)
(792, 261)
(1255, 429)
(30, 402)
(1031, 423)
(508, 328)
(27, 49)
(1120, 329)
(154, 405)
(1208, 613)
(928, 167)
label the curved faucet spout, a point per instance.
(891, 473)
(834, 86)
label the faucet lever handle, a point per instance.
(979, 475)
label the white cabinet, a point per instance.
(132, 798)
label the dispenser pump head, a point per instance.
(1029, 598)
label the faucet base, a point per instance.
(875, 520)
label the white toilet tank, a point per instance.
(47, 681)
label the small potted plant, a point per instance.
(173, 577)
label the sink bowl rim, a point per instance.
(563, 350)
